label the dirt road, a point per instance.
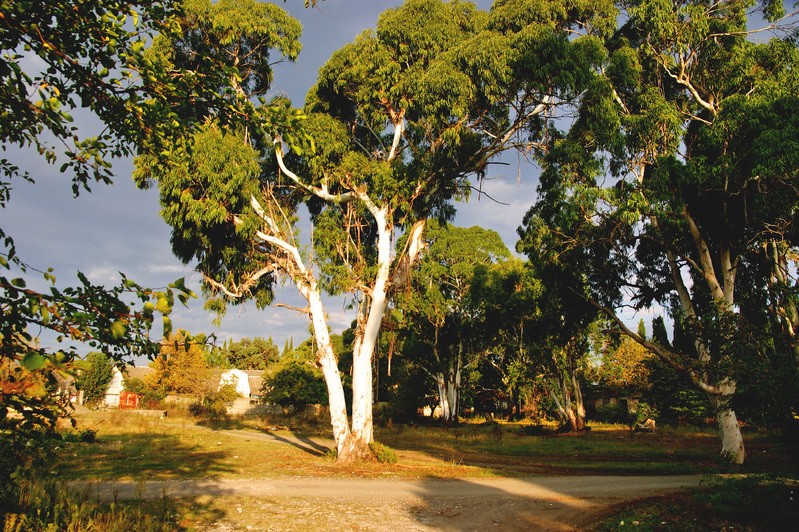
(534, 503)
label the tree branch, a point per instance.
(321, 192)
(664, 354)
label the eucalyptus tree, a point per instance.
(504, 298)
(397, 123)
(536, 326)
(674, 179)
(437, 314)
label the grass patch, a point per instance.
(756, 502)
(525, 449)
(130, 447)
(135, 448)
(47, 506)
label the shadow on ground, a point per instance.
(145, 456)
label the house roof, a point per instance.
(256, 380)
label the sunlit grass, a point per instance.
(131, 447)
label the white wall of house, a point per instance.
(114, 388)
(238, 378)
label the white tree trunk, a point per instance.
(732, 443)
(452, 399)
(578, 403)
(362, 433)
(327, 361)
(362, 395)
(443, 396)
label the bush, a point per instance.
(612, 414)
(534, 430)
(645, 411)
(23, 454)
(383, 414)
(295, 385)
(218, 402)
(215, 404)
(383, 453)
(79, 436)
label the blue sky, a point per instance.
(118, 227)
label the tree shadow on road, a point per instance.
(520, 504)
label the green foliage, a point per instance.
(669, 185)
(248, 354)
(295, 384)
(609, 413)
(94, 380)
(215, 403)
(25, 456)
(383, 453)
(57, 58)
(97, 64)
(214, 170)
(441, 325)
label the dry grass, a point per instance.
(131, 447)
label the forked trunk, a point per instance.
(354, 448)
(362, 392)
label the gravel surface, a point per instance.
(532, 503)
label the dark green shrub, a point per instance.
(80, 436)
(95, 378)
(23, 455)
(294, 386)
(612, 414)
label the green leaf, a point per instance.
(180, 284)
(33, 361)
(163, 306)
(118, 329)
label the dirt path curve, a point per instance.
(428, 504)
(532, 503)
